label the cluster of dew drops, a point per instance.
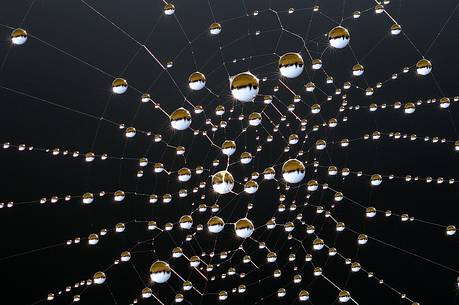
(245, 88)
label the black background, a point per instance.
(42, 71)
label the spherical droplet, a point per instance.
(291, 65)
(339, 37)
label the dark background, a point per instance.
(42, 71)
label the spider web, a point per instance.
(94, 140)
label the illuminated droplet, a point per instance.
(316, 64)
(423, 67)
(250, 187)
(228, 147)
(88, 198)
(303, 295)
(119, 86)
(243, 228)
(184, 174)
(215, 224)
(395, 29)
(215, 28)
(244, 86)
(19, 36)
(223, 182)
(186, 221)
(180, 119)
(362, 239)
(357, 70)
(160, 272)
(293, 171)
(246, 157)
(450, 230)
(344, 296)
(196, 81)
(254, 119)
(339, 37)
(99, 277)
(291, 65)
(169, 9)
(318, 244)
(146, 292)
(376, 179)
